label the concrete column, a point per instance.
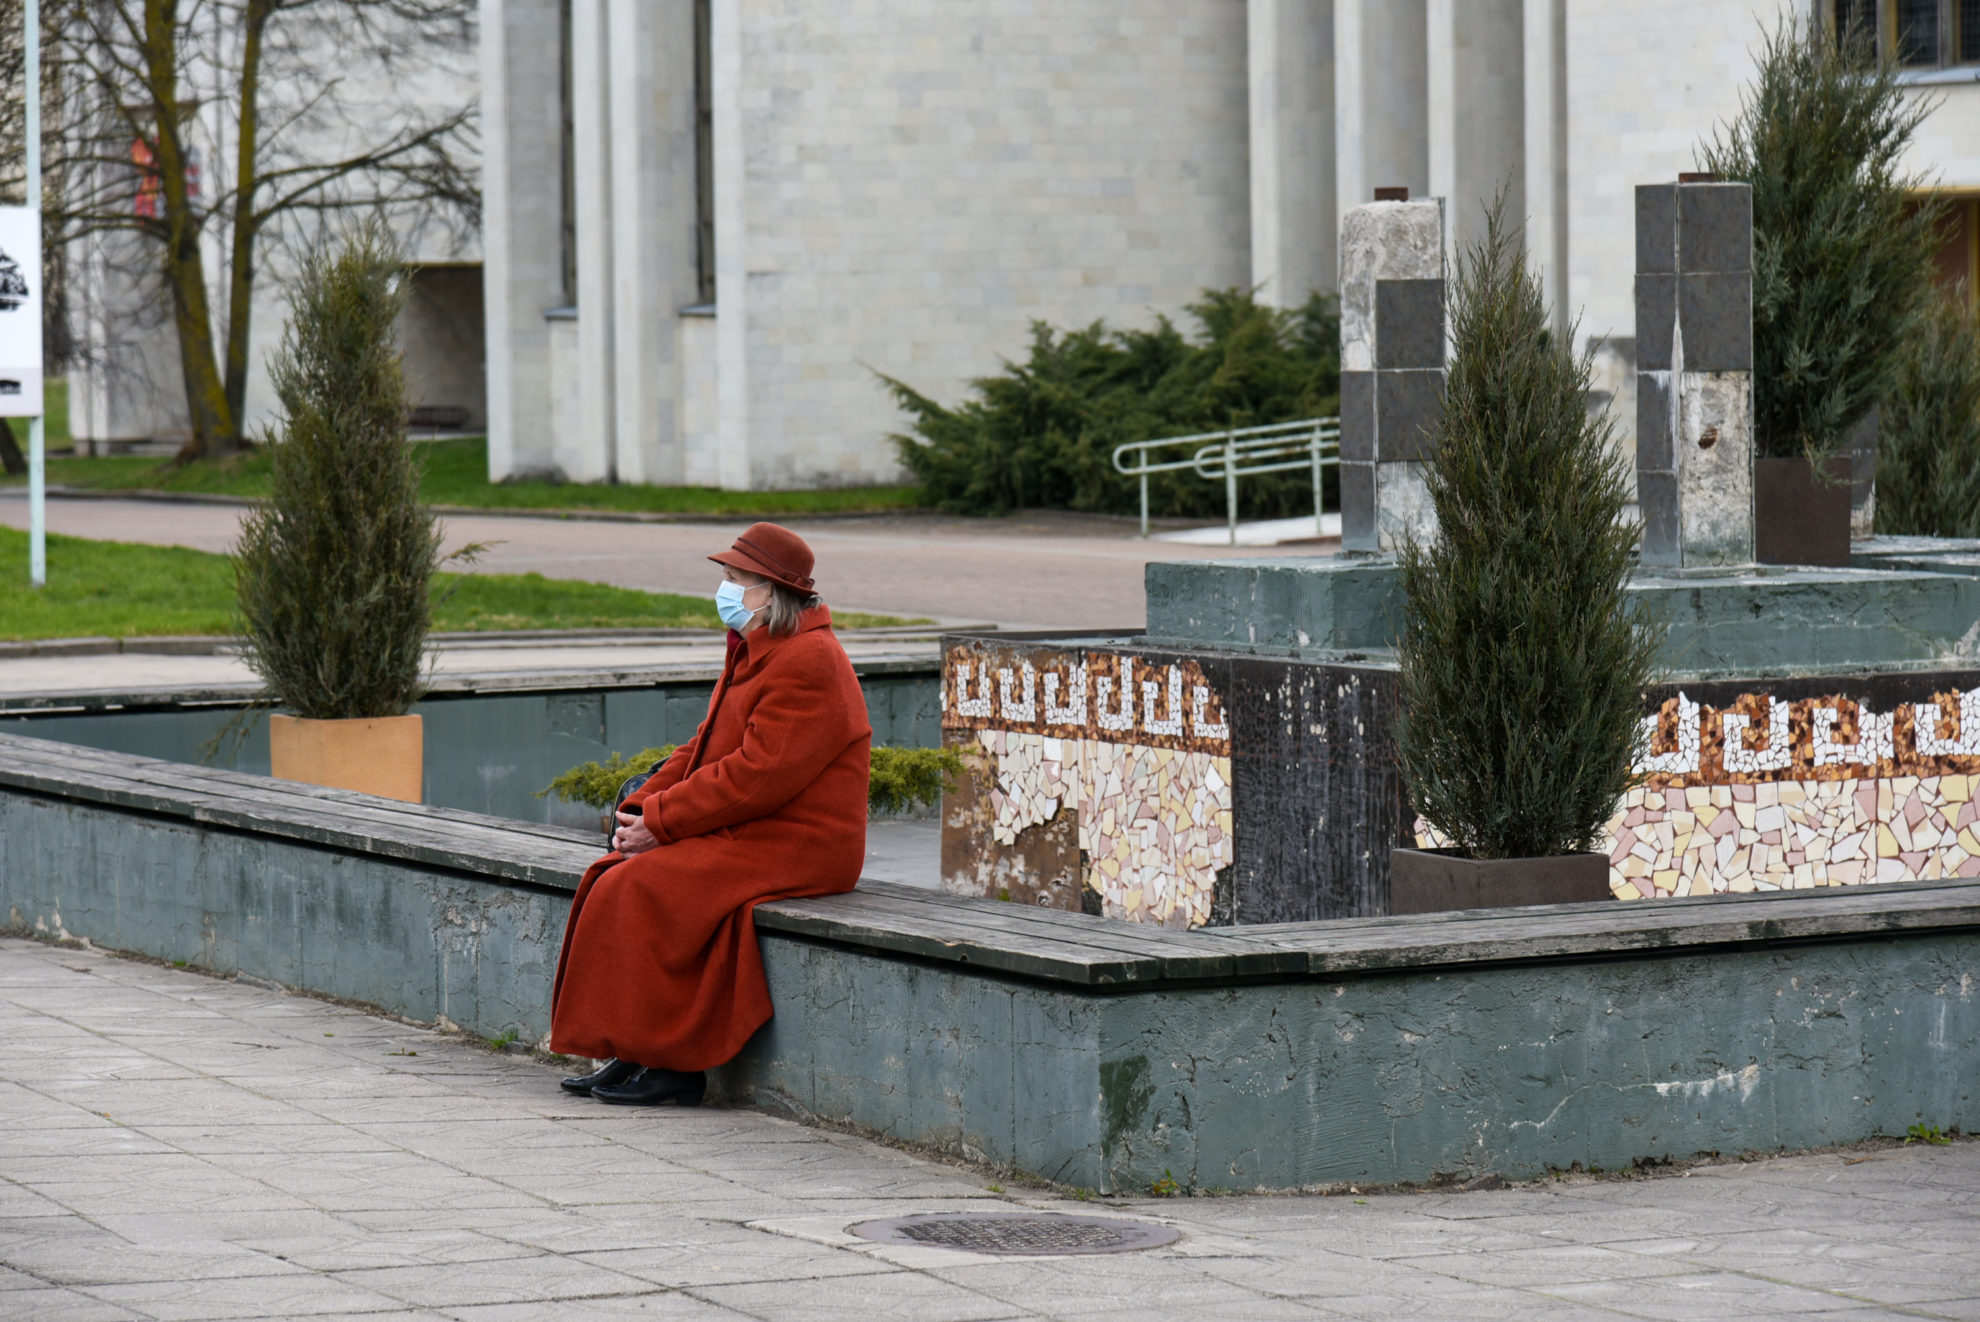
(1392, 369)
(1381, 125)
(1476, 110)
(731, 250)
(522, 219)
(591, 455)
(1544, 87)
(1694, 384)
(1293, 220)
(651, 150)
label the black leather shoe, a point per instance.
(655, 1087)
(611, 1072)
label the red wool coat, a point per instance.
(768, 801)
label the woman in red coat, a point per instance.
(660, 975)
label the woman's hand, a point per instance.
(632, 837)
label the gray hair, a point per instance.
(787, 606)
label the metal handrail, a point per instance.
(1239, 452)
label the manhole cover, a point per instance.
(1016, 1234)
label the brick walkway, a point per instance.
(177, 1147)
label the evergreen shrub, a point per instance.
(1841, 246)
(596, 784)
(1041, 434)
(333, 569)
(902, 779)
(1928, 452)
(1522, 664)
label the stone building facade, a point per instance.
(713, 227)
(894, 188)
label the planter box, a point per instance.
(1430, 880)
(1797, 520)
(383, 755)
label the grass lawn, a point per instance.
(55, 422)
(457, 474)
(121, 590)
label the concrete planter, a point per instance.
(382, 755)
(1430, 880)
(1798, 520)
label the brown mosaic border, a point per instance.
(984, 687)
(1904, 758)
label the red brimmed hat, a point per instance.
(775, 552)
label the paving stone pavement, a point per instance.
(1036, 570)
(180, 1147)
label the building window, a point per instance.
(704, 156)
(1913, 34)
(1856, 19)
(1916, 33)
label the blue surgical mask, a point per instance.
(729, 605)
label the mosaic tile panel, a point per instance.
(1155, 829)
(1135, 751)
(1768, 793)
(1153, 824)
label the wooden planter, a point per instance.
(1431, 880)
(1797, 520)
(383, 755)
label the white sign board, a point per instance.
(20, 313)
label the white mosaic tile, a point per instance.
(1154, 824)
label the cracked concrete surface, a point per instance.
(177, 1147)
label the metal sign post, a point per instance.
(20, 308)
(37, 425)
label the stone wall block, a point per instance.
(1357, 417)
(1409, 323)
(1383, 241)
(1715, 227)
(1357, 505)
(1715, 315)
(1656, 496)
(1411, 406)
(1403, 511)
(1656, 321)
(1694, 383)
(1656, 230)
(1715, 468)
(1653, 423)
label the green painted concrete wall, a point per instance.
(1766, 620)
(490, 753)
(420, 942)
(1444, 1071)
(1383, 1078)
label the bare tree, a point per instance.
(214, 129)
(13, 192)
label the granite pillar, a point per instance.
(1392, 369)
(1694, 383)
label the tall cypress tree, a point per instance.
(1928, 460)
(1522, 663)
(1842, 246)
(333, 569)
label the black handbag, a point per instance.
(627, 786)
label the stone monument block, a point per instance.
(1392, 369)
(1694, 400)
